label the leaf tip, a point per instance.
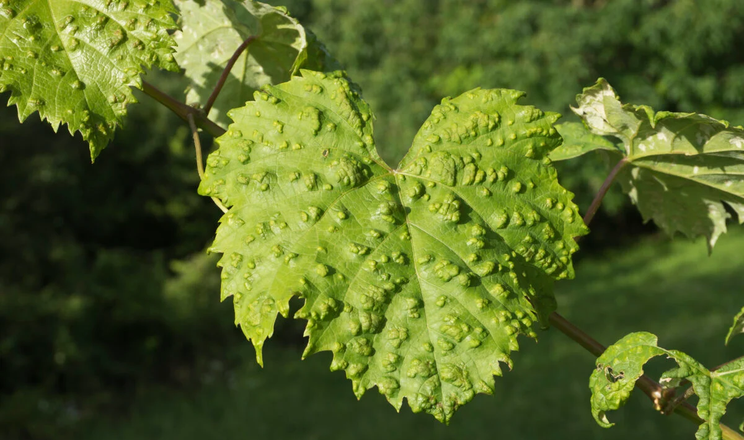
(259, 352)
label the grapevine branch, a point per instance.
(182, 110)
(726, 363)
(226, 73)
(648, 386)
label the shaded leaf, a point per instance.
(418, 279)
(212, 30)
(578, 140)
(621, 365)
(74, 61)
(737, 327)
(684, 167)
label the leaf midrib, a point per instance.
(679, 176)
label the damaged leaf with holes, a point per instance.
(74, 61)
(212, 30)
(621, 365)
(685, 169)
(418, 279)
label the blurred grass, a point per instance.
(670, 288)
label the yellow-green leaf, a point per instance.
(418, 279)
(74, 61)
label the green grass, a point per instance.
(672, 289)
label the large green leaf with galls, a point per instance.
(621, 365)
(74, 61)
(419, 278)
(737, 327)
(212, 30)
(684, 167)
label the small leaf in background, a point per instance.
(212, 30)
(737, 327)
(621, 365)
(685, 168)
(418, 279)
(75, 61)
(578, 140)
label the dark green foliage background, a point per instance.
(104, 291)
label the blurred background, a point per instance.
(110, 320)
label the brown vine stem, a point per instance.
(649, 386)
(726, 363)
(603, 190)
(199, 160)
(226, 73)
(182, 110)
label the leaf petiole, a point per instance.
(603, 190)
(226, 72)
(199, 160)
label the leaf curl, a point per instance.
(737, 327)
(621, 365)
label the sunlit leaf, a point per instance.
(419, 278)
(685, 168)
(74, 61)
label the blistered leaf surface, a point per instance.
(684, 167)
(578, 140)
(74, 61)
(621, 365)
(212, 30)
(417, 279)
(737, 327)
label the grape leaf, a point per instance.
(621, 365)
(418, 279)
(578, 140)
(683, 166)
(74, 61)
(737, 327)
(214, 29)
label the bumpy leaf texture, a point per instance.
(737, 328)
(212, 30)
(74, 61)
(418, 279)
(622, 364)
(684, 167)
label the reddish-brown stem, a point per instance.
(650, 387)
(226, 73)
(726, 363)
(603, 191)
(182, 110)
